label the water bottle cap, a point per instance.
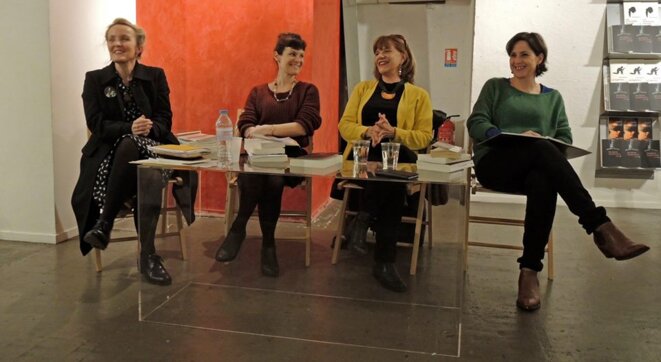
(225, 111)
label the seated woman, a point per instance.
(127, 109)
(536, 169)
(284, 107)
(389, 107)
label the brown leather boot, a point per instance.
(528, 298)
(614, 244)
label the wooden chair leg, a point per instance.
(340, 226)
(182, 233)
(164, 211)
(549, 251)
(97, 260)
(430, 239)
(308, 220)
(230, 202)
(418, 228)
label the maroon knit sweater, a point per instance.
(302, 107)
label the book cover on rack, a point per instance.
(640, 98)
(622, 36)
(619, 87)
(649, 148)
(656, 42)
(642, 40)
(570, 151)
(613, 146)
(631, 157)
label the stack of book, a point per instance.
(316, 163)
(444, 162)
(266, 153)
(185, 152)
(199, 139)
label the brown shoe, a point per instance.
(614, 244)
(528, 298)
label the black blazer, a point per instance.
(103, 106)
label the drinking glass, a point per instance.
(389, 154)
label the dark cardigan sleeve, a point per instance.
(249, 117)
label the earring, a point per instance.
(399, 72)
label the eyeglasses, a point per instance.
(630, 129)
(645, 129)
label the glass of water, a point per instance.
(390, 154)
(361, 149)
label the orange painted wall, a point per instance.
(214, 52)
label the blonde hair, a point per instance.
(140, 35)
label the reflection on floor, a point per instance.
(54, 306)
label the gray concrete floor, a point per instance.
(54, 306)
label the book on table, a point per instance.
(263, 147)
(179, 151)
(570, 151)
(445, 157)
(317, 160)
(273, 160)
(423, 164)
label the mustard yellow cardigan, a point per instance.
(414, 116)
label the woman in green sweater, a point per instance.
(536, 169)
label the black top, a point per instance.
(377, 104)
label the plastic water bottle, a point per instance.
(224, 129)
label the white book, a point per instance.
(444, 160)
(317, 160)
(422, 165)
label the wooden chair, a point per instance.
(303, 216)
(476, 187)
(165, 209)
(423, 188)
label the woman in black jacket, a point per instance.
(127, 109)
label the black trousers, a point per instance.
(384, 201)
(264, 191)
(540, 171)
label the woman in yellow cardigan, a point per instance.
(387, 108)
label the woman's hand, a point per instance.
(382, 129)
(531, 133)
(141, 126)
(262, 130)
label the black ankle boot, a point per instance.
(230, 247)
(357, 242)
(270, 266)
(151, 267)
(387, 275)
(99, 236)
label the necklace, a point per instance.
(389, 94)
(275, 95)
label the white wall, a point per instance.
(26, 146)
(575, 40)
(47, 47)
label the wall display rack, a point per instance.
(629, 133)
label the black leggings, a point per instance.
(122, 186)
(540, 171)
(264, 191)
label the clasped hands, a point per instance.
(141, 126)
(381, 129)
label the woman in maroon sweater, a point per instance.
(284, 107)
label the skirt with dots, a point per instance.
(101, 182)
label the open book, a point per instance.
(570, 151)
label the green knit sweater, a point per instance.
(504, 107)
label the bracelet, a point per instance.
(272, 130)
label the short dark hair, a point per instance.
(399, 43)
(291, 40)
(536, 43)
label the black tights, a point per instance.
(122, 185)
(264, 191)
